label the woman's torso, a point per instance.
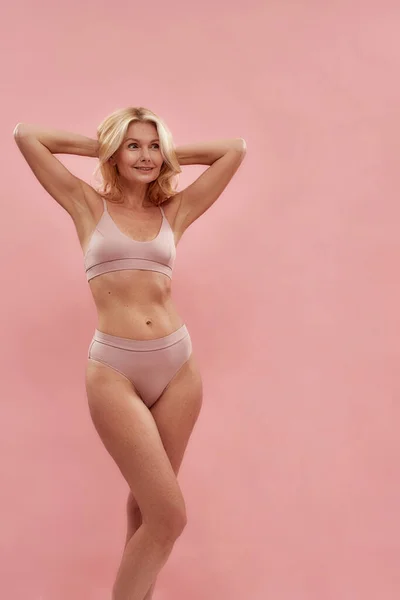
(131, 303)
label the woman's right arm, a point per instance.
(38, 146)
(58, 141)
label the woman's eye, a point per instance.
(133, 144)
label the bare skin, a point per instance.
(132, 303)
(138, 304)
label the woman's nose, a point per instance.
(145, 154)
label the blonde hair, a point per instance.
(110, 135)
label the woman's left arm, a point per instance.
(224, 158)
(206, 153)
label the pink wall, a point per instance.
(289, 286)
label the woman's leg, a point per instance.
(145, 555)
(134, 521)
(129, 433)
(149, 544)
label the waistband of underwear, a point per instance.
(141, 345)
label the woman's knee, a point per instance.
(166, 521)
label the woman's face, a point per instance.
(140, 148)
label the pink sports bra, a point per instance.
(111, 250)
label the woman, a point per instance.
(143, 384)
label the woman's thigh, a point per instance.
(175, 414)
(130, 434)
(177, 410)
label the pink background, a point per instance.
(289, 286)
